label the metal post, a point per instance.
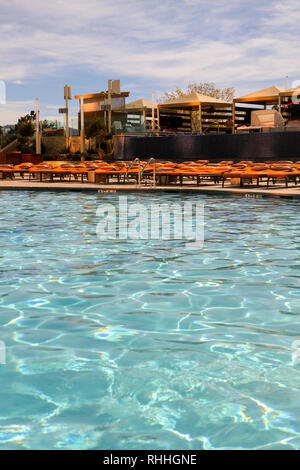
(82, 141)
(152, 117)
(40, 136)
(233, 117)
(279, 104)
(200, 119)
(139, 174)
(154, 173)
(145, 118)
(66, 93)
(37, 130)
(109, 105)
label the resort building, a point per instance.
(96, 106)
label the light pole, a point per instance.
(82, 141)
(67, 96)
(109, 106)
(152, 117)
(37, 130)
(115, 88)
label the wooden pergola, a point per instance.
(192, 102)
(143, 107)
(292, 92)
(265, 97)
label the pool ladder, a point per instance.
(136, 160)
(141, 170)
(151, 160)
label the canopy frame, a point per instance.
(193, 102)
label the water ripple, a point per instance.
(144, 344)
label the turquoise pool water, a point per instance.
(144, 344)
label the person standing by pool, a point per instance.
(229, 126)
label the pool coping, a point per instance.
(288, 193)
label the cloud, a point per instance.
(161, 39)
(12, 110)
(157, 44)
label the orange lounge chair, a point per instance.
(283, 172)
(248, 173)
(7, 170)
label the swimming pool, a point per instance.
(144, 344)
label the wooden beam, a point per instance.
(144, 117)
(279, 104)
(109, 106)
(200, 119)
(103, 94)
(82, 134)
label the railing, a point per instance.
(151, 160)
(219, 129)
(131, 165)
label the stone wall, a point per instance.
(57, 144)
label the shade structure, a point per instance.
(143, 107)
(140, 104)
(193, 102)
(267, 96)
(291, 92)
(287, 97)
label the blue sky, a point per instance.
(150, 45)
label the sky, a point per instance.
(155, 45)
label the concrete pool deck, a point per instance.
(276, 191)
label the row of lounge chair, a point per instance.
(162, 173)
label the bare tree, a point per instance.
(205, 88)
